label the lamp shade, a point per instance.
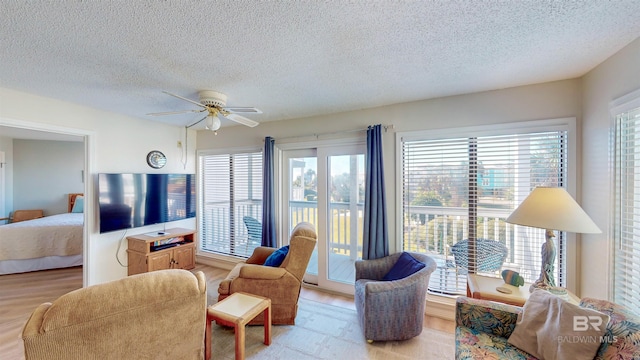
(554, 209)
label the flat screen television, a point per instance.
(134, 200)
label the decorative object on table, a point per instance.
(156, 159)
(512, 278)
(504, 290)
(551, 208)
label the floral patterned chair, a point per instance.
(483, 327)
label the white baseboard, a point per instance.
(441, 307)
(222, 263)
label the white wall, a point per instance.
(44, 172)
(114, 143)
(617, 76)
(6, 145)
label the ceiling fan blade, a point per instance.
(240, 109)
(242, 120)
(176, 112)
(185, 99)
(197, 122)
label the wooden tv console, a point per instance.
(159, 250)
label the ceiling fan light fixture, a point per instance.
(214, 103)
(213, 123)
(212, 98)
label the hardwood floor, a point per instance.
(20, 294)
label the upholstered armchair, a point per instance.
(280, 284)
(155, 315)
(391, 310)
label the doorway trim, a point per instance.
(3, 198)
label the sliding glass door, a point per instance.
(325, 186)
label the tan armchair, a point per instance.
(155, 315)
(280, 284)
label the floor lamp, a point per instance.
(551, 209)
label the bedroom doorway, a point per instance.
(33, 132)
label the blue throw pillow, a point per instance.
(277, 257)
(405, 266)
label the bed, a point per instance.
(49, 242)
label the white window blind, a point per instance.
(457, 192)
(626, 227)
(231, 190)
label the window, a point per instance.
(626, 232)
(231, 196)
(457, 192)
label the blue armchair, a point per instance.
(391, 310)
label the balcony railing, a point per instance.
(429, 229)
(217, 236)
(222, 235)
(340, 226)
(435, 229)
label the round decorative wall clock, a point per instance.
(156, 159)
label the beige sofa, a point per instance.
(156, 315)
(280, 284)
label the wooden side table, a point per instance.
(236, 311)
(484, 287)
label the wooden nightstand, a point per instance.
(484, 287)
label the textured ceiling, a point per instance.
(295, 59)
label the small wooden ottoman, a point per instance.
(236, 311)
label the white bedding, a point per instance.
(56, 235)
(44, 263)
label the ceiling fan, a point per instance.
(214, 104)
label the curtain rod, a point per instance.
(315, 135)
